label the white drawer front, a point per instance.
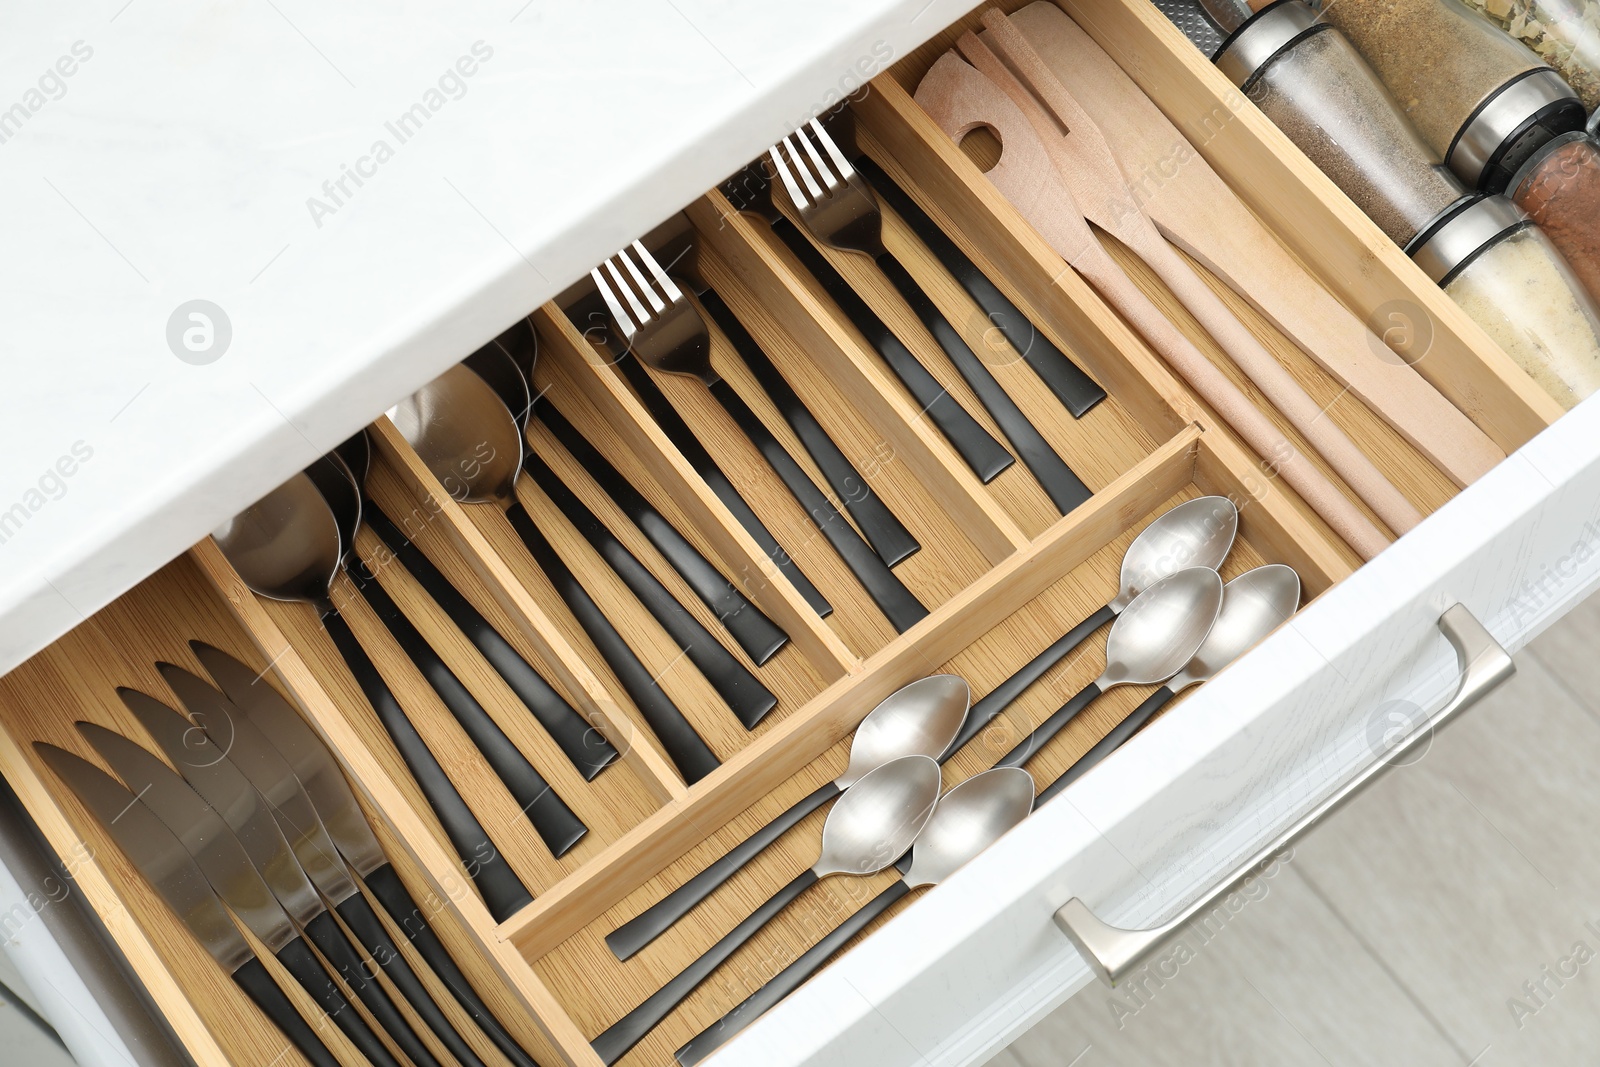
(976, 961)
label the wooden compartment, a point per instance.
(1001, 574)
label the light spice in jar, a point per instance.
(1522, 294)
(1327, 101)
(1438, 59)
(1563, 33)
(1559, 188)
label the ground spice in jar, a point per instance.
(1559, 188)
(1438, 59)
(1522, 294)
(1322, 95)
(1563, 33)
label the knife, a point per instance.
(341, 815)
(229, 731)
(222, 791)
(166, 839)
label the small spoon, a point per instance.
(1253, 605)
(969, 818)
(876, 820)
(286, 546)
(917, 718)
(1196, 533)
(1150, 642)
(469, 440)
(551, 818)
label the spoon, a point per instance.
(1150, 641)
(468, 439)
(585, 748)
(286, 546)
(969, 818)
(876, 820)
(917, 718)
(1196, 533)
(550, 816)
(1253, 605)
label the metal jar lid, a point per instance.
(1265, 34)
(1510, 125)
(1457, 234)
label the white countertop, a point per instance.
(178, 161)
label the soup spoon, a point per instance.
(875, 821)
(969, 818)
(1150, 642)
(470, 442)
(550, 816)
(286, 547)
(1196, 533)
(917, 718)
(1253, 605)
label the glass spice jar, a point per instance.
(1482, 101)
(1313, 85)
(1559, 188)
(1564, 33)
(1501, 269)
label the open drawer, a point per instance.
(953, 972)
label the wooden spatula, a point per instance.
(1197, 211)
(959, 99)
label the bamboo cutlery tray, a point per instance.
(1001, 575)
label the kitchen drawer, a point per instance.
(958, 970)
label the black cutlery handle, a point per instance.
(324, 932)
(1030, 745)
(370, 932)
(628, 1031)
(1076, 390)
(584, 746)
(1110, 742)
(788, 980)
(758, 635)
(298, 959)
(891, 595)
(555, 823)
(986, 456)
(881, 527)
(1000, 697)
(385, 884)
(694, 453)
(258, 985)
(687, 750)
(744, 694)
(503, 892)
(657, 919)
(1065, 489)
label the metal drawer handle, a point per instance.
(1114, 952)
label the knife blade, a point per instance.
(216, 853)
(225, 788)
(228, 730)
(314, 765)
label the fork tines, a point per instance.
(832, 178)
(632, 293)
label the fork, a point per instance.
(840, 209)
(665, 331)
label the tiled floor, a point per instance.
(1449, 916)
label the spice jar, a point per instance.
(1564, 33)
(1501, 269)
(1480, 100)
(1312, 84)
(1559, 188)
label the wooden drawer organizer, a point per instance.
(1001, 574)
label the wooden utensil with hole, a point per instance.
(959, 98)
(1199, 213)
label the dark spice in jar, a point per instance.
(1560, 190)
